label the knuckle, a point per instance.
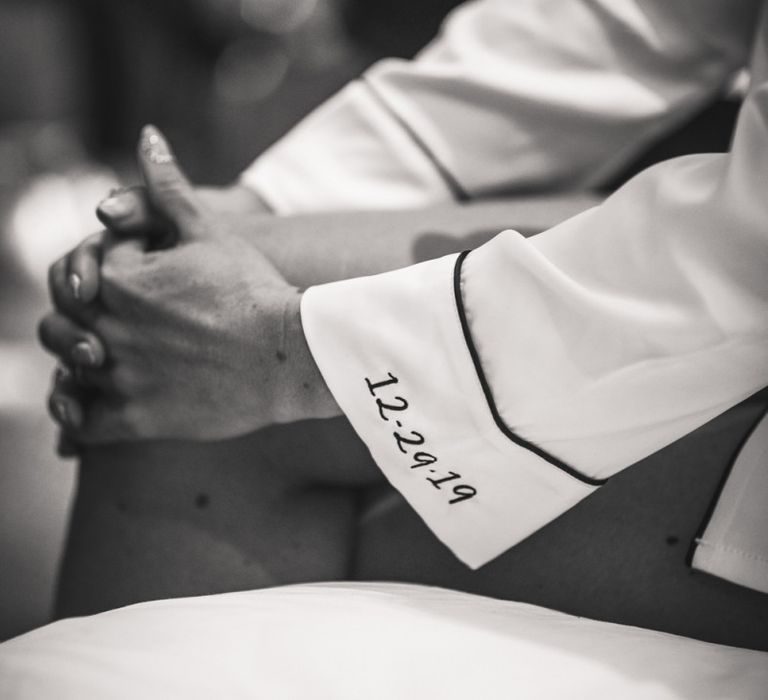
(115, 282)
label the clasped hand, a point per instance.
(199, 341)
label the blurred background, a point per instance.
(78, 78)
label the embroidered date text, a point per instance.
(393, 409)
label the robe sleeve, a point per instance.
(517, 96)
(498, 388)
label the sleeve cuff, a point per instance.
(393, 351)
(349, 154)
(734, 543)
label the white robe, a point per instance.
(535, 369)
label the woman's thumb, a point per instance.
(167, 186)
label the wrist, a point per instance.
(302, 391)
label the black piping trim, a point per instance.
(719, 490)
(457, 191)
(554, 461)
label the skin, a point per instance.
(212, 305)
(107, 294)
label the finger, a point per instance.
(86, 418)
(83, 268)
(65, 290)
(71, 342)
(65, 403)
(168, 188)
(129, 213)
(66, 446)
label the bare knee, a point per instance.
(155, 520)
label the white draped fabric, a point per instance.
(365, 640)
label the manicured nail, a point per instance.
(60, 409)
(83, 354)
(67, 412)
(154, 146)
(74, 284)
(116, 207)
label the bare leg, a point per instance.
(619, 556)
(159, 520)
(165, 520)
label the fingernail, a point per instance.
(116, 207)
(62, 373)
(74, 284)
(83, 354)
(67, 412)
(61, 411)
(154, 146)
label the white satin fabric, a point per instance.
(365, 640)
(734, 545)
